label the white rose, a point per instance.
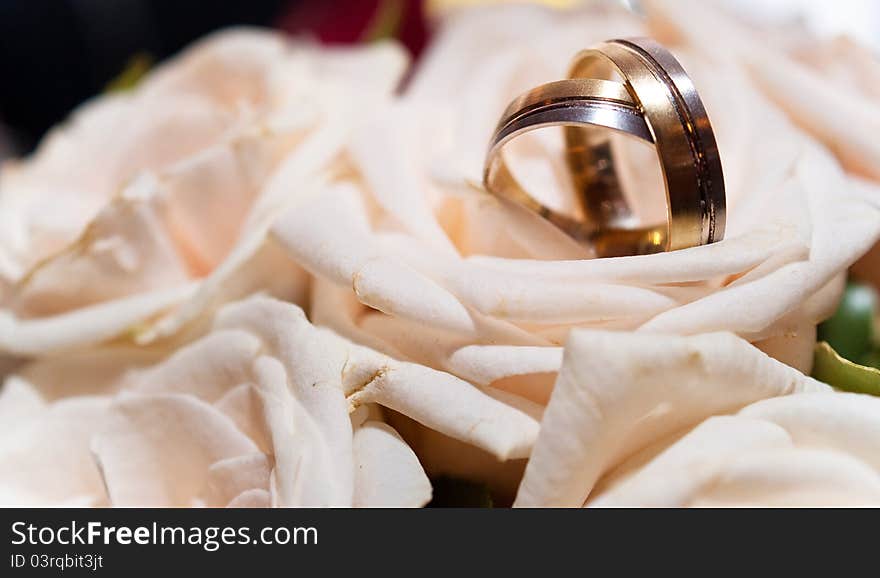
(129, 207)
(637, 420)
(265, 409)
(429, 298)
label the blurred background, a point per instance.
(54, 54)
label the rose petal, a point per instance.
(157, 450)
(44, 457)
(618, 391)
(387, 472)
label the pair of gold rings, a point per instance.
(637, 88)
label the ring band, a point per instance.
(656, 103)
(577, 102)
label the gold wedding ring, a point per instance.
(656, 103)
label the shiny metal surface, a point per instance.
(656, 102)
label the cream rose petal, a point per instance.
(313, 466)
(232, 477)
(157, 450)
(337, 308)
(19, 403)
(844, 119)
(124, 251)
(795, 478)
(242, 405)
(390, 166)
(692, 463)
(617, 392)
(254, 498)
(794, 348)
(316, 357)
(206, 369)
(257, 264)
(344, 252)
(481, 224)
(843, 229)
(727, 257)
(396, 289)
(32, 233)
(44, 450)
(85, 326)
(504, 425)
(846, 422)
(800, 450)
(387, 472)
(94, 371)
(198, 96)
(296, 178)
(519, 47)
(483, 364)
(282, 113)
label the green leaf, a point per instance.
(386, 21)
(135, 69)
(452, 492)
(850, 331)
(871, 359)
(842, 373)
